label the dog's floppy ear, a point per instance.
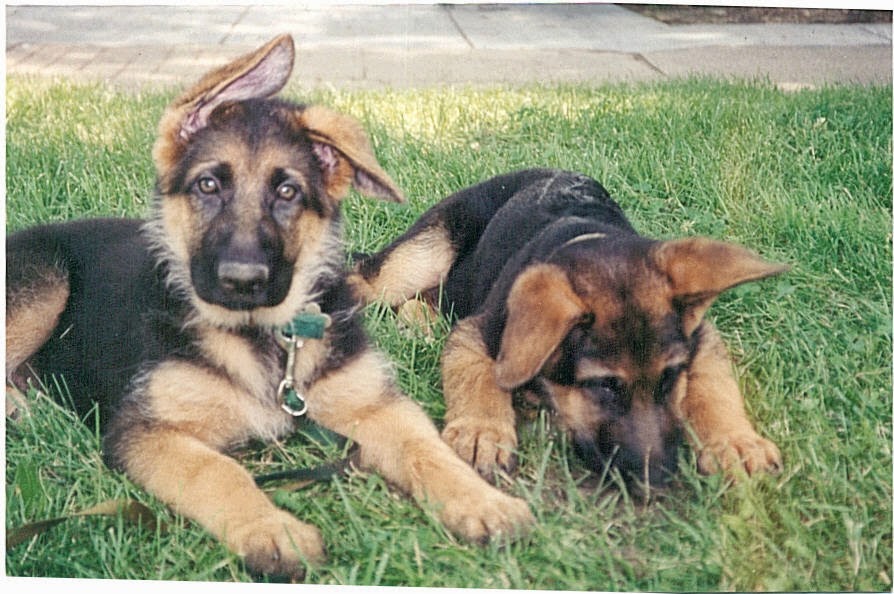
(699, 269)
(257, 75)
(542, 308)
(345, 154)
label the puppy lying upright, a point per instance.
(557, 298)
(227, 313)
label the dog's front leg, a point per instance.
(398, 440)
(219, 494)
(713, 407)
(169, 438)
(480, 420)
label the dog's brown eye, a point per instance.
(208, 185)
(609, 393)
(587, 319)
(287, 192)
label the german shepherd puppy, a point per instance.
(171, 325)
(557, 298)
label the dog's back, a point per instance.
(540, 209)
(473, 237)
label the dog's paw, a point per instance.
(485, 444)
(16, 404)
(746, 451)
(418, 316)
(277, 545)
(486, 513)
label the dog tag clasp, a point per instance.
(291, 401)
(311, 323)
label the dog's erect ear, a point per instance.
(699, 269)
(542, 308)
(257, 75)
(345, 154)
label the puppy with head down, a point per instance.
(555, 297)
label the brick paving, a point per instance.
(407, 46)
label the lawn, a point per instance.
(803, 178)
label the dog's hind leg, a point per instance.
(480, 420)
(415, 263)
(399, 441)
(715, 412)
(37, 291)
(32, 313)
(420, 259)
(407, 274)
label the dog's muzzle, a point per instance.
(239, 284)
(655, 467)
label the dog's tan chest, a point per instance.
(237, 357)
(225, 402)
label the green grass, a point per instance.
(803, 178)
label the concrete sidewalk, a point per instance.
(402, 46)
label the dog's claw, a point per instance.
(485, 514)
(278, 545)
(487, 446)
(748, 451)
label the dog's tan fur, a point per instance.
(480, 419)
(30, 321)
(715, 410)
(422, 262)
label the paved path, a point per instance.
(424, 45)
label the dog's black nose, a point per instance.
(245, 278)
(656, 467)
